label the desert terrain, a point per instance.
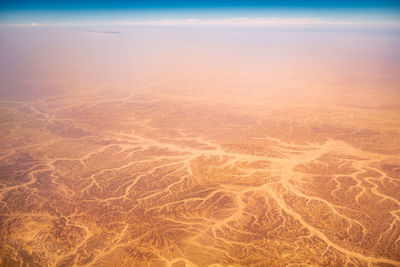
(203, 170)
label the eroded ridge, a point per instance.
(162, 181)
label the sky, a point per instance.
(102, 4)
(197, 12)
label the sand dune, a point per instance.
(187, 175)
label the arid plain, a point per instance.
(204, 161)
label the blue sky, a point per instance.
(46, 12)
(122, 4)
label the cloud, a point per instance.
(96, 31)
(33, 24)
(238, 22)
